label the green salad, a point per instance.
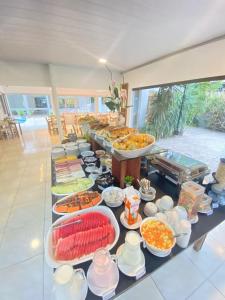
(75, 186)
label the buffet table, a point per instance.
(199, 230)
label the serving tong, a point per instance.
(63, 225)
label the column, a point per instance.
(55, 108)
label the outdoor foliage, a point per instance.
(171, 108)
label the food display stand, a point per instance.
(162, 186)
(121, 166)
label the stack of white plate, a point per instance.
(84, 147)
(58, 152)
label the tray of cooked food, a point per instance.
(76, 202)
(74, 238)
(75, 186)
(134, 145)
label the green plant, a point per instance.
(113, 102)
(128, 179)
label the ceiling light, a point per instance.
(102, 60)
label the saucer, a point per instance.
(133, 226)
(131, 271)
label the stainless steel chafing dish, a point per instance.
(177, 167)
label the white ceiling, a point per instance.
(126, 32)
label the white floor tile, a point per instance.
(207, 292)
(20, 244)
(48, 282)
(209, 258)
(32, 194)
(4, 216)
(23, 281)
(146, 289)
(218, 279)
(25, 215)
(178, 278)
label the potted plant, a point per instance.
(128, 180)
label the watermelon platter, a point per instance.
(72, 239)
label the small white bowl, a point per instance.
(87, 153)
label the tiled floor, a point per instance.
(25, 215)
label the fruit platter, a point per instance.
(74, 238)
(75, 186)
(77, 202)
(134, 145)
(158, 236)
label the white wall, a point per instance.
(81, 78)
(23, 74)
(201, 62)
(32, 77)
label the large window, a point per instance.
(76, 104)
(167, 109)
(102, 108)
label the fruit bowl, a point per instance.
(141, 144)
(74, 245)
(165, 231)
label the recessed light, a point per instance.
(102, 60)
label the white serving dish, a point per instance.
(151, 248)
(63, 195)
(64, 198)
(133, 153)
(48, 241)
(87, 153)
(113, 204)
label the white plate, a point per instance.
(64, 198)
(130, 271)
(126, 225)
(48, 241)
(63, 195)
(112, 204)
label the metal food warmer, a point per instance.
(177, 167)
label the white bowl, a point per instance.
(153, 249)
(87, 153)
(113, 203)
(165, 203)
(134, 153)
